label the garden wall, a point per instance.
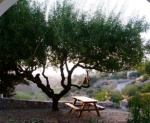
(9, 103)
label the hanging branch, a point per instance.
(82, 86)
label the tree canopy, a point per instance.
(102, 43)
(21, 33)
(29, 42)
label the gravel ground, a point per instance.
(62, 116)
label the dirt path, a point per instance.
(62, 116)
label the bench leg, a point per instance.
(96, 109)
(73, 104)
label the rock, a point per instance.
(124, 104)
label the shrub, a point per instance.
(147, 68)
(29, 96)
(146, 88)
(23, 95)
(101, 75)
(122, 75)
(139, 107)
(145, 77)
(115, 96)
(131, 90)
(101, 95)
(114, 77)
(135, 74)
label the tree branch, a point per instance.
(47, 81)
(66, 66)
(82, 86)
(62, 72)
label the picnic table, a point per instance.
(85, 104)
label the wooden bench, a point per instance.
(73, 106)
(98, 106)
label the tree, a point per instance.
(20, 37)
(102, 43)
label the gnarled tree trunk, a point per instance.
(55, 104)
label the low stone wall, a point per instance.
(9, 103)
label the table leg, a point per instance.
(73, 104)
(84, 104)
(96, 109)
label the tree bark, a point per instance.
(55, 104)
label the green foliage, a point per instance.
(144, 68)
(130, 90)
(101, 95)
(107, 40)
(146, 88)
(102, 75)
(115, 76)
(122, 74)
(21, 29)
(115, 96)
(135, 74)
(100, 42)
(23, 95)
(30, 96)
(139, 109)
(147, 68)
(145, 77)
(147, 47)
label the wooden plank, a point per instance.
(84, 99)
(73, 106)
(98, 106)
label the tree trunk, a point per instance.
(55, 104)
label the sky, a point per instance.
(129, 8)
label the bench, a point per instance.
(73, 106)
(98, 106)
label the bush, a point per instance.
(147, 68)
(139, 107)
(31, 96)
(115, 96)
(102, 75)
(135, 74)
(114, 77)
(122, 75)
(130, 90)
(145, 77)
(101, 95)
(146, 88)
(23, 95)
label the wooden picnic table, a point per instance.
(86, 104)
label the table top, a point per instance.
(84, 99)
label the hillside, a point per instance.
(97, 84)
